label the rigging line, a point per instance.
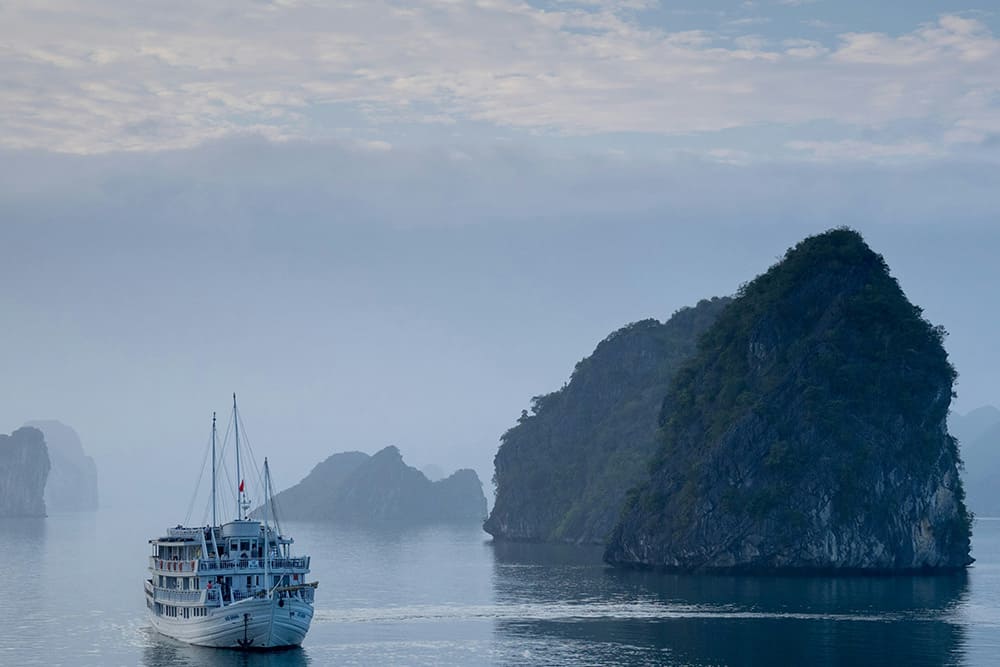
(221, 454)
(197, 485)
(205, 513)
(231, 496)
(260, 479)
(274, 506)
(233, 488)
(249, 449)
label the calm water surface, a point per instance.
(71, 594)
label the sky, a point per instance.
(396, 222)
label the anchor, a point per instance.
(245, 642)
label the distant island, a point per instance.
(72, 483)
(809, 432)
(356, 487)
(24, 469)
(978, 434)
(562, 471)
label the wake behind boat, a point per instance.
(234, 585)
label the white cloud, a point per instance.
(852, 150)
(98, 76)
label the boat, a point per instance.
(234, 585)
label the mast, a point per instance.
(239, 478)
(214, 520)
(267, 512)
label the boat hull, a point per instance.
(248, 624)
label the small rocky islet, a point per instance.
(356, 487)
(24, 469)
(72, 483)
(44, 468)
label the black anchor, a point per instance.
(245, 642)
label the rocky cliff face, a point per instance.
(72, 484)
(24, 467)
(353, 486)
(562, 472)
(809, 432)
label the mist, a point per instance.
(356, 299)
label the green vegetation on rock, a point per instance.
(562, 471)
(809, 431)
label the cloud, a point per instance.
(849, 149)
(89, 77)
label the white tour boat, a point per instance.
(234, 585)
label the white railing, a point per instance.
(274, 564)
(176, 595)
(169, 565)
(180, 531)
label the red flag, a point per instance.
(241, 486)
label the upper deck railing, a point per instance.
(190, 596)
(215, 596)
(210, 564)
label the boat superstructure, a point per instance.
(232, 585)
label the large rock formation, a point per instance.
(72, 484)
(357, 487)
(809, 432)
(562, 472)
(312, 497)
(24, 467)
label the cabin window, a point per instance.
(245, 545)
(248, 582)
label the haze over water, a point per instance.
(446, 595)
(394, 222)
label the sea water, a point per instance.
(71, 594)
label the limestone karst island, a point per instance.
(800, 426)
